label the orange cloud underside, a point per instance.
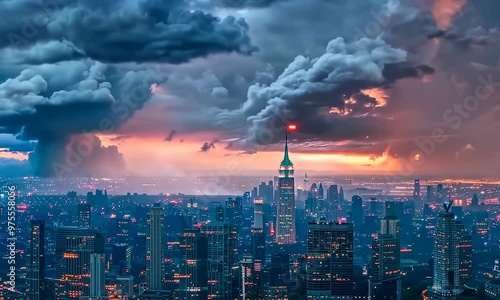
(153, 157)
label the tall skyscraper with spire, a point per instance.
(446, 255)
(285, 214)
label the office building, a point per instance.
(330, 261)
(446, 277)
(84, 210)
(155, 246)
(332, 197)
(386, 257)
(74, 248)
(121, 258)
(97, 263)
(193, 280)
(357, 213)
(464, 253)
(222, 258)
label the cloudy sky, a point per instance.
(197, 87)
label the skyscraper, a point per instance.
(258, 251)
(97, 263)
(154, 248)
(84, 215)
(417, 203)
(475, 201)
(333, 203)
(341, 197)
(35, 287)
(330, 261)
(285, 214)
(193, 282)
(121, 258)
(357, 211)
(446, 277)
(222, 260)
(464, 253)
(74, 247)
(386, 257)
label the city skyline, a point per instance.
(378, 91)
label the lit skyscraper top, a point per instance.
(285, 216)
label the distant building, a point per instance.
(84, 220)
(417, 200)
(357, 211)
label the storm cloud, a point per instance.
(374, 83)
(130, 31)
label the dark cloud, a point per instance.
(11, 144)
(54, 104)
(170, 135)
(121, 137)
(147, 31)
(309, 88)
(207, 146)
(14, 168)
(81, 155)
(245, 3)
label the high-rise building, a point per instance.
(321, 192)
(222, 258)
(386, 257)
(464, 253)
(97, 263)
(341, 197)
(154, 248)
(285, 214)
(330, 261)
(357, 211)
(193, 211)
(430, 193)
(258, 251)
(332, 197)
(417, 200)
(216, 212)
(74, 247)
(280, 269)
(35, 285)
(446, 277)
(496, 269)
(193, 280)
(121, 258)
(475, 201)
(84, 215)
(480, 230)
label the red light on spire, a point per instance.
(292, 127)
